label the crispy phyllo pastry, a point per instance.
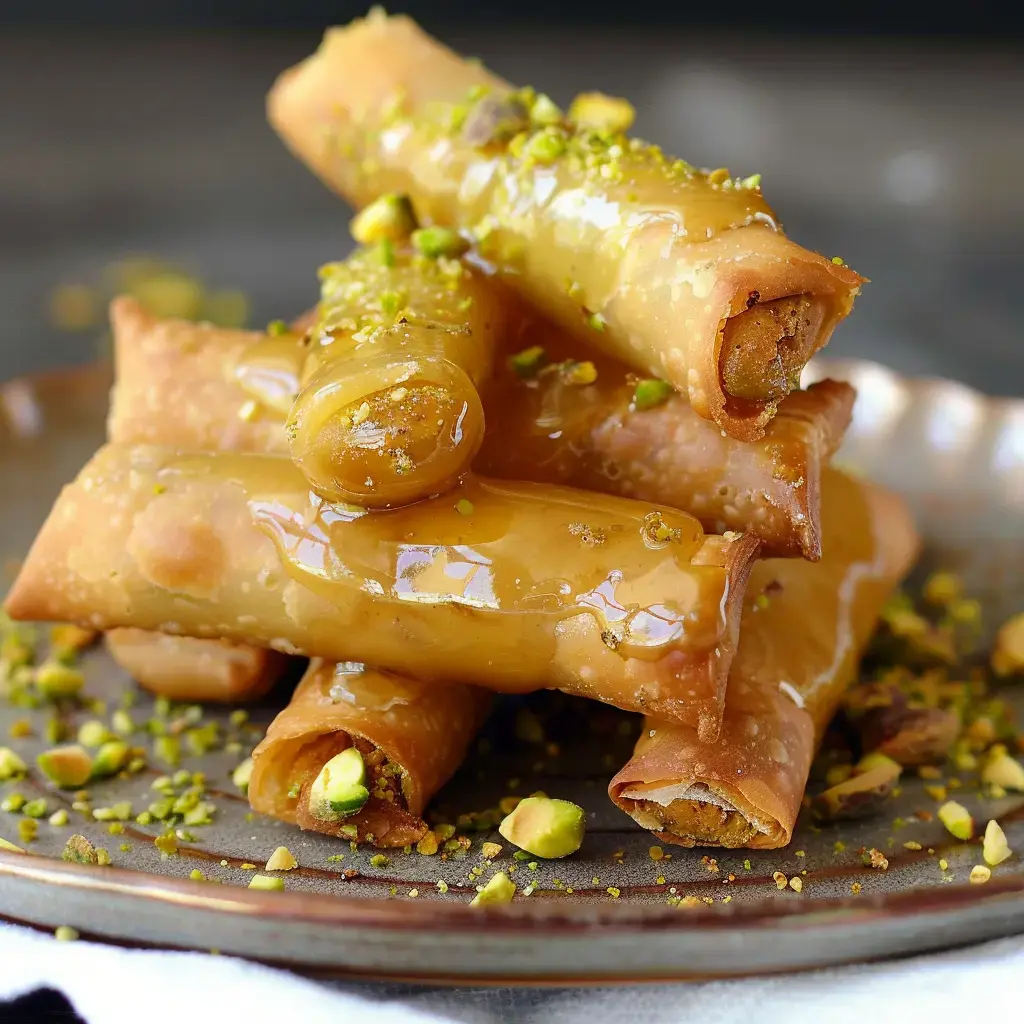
(181, 668)
(358, 753)
(594, 425)
(390, 411)
(551, 418)
(804, 628)
(510, 586)
(684, 274)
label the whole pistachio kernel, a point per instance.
(648, 394)
(607, 115)
(67, 767)
(387, 219)
(340, 788)
(436, 242)
(499, 890)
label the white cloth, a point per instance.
(111, 985)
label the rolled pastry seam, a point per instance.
(604, 436)
(390, 411)
(412, 738)
(684, 274)
(514, 587)
(804, 628)
(544, 428)
(185, 669)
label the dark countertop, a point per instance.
(905, 161)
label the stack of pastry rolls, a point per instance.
(543, 430)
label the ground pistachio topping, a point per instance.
(242, 774)
(268, 883)
(110, 758)
(437, 242)
(11, 765)
(648, 394)
(78, 850)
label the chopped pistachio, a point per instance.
(92, 733)
(545, 146)
(579, 373)
(268, 883)
(544, 111)
(387, 219)
(490, 850)
(980, 874)
(796, 883)
(545, 827)
(196, 875)
(651, 393)
(498, 890)
(876, 759)
(35, 808)
(1003, 770)
(167, 844)
(144, 818)
(65, 933)
(528, 362)
(59, 817)
(436, 242)
(201, 814)
(20, 729)
(56, 681)
(121, 722)
(11, 766)
(78, 850)
(340, 788)
(238, 718)
(995, 849)
(751, 181)
(12, 803)
(167, 749)
(281, 860)
(379, 860)
(67, 767)
(1008, 649)
(607, 115)
(242, 774)
(957, 819)
(102, 857)
(110, 758)
(27, 829)
(9, 846)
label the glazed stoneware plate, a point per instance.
(612, 912)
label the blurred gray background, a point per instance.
(902, 154)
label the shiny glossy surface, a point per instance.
(389, 411)
(514, 587)
(329, 922)
(618, 243)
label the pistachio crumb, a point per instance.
(59, 817)
(796, 883)
(499, 889)
(65, 933)
(281, 860)
(266, 882)
(980, 874)
(491, 850)
(957, 820)
(995, 848)
(78, 850)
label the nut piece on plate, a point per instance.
(858, 796)
(500, 889)
(909, 735)
(1008, 650)
(545, 827)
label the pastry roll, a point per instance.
(514, 587)
(686, 275)
(804, 628)
(411, 738)
(544, 425)
(390, 412)
(185, 669)
(617, 435)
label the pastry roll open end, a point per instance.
(410, 739)
(804, 628)
(185, 669)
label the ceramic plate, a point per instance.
(957, 456)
